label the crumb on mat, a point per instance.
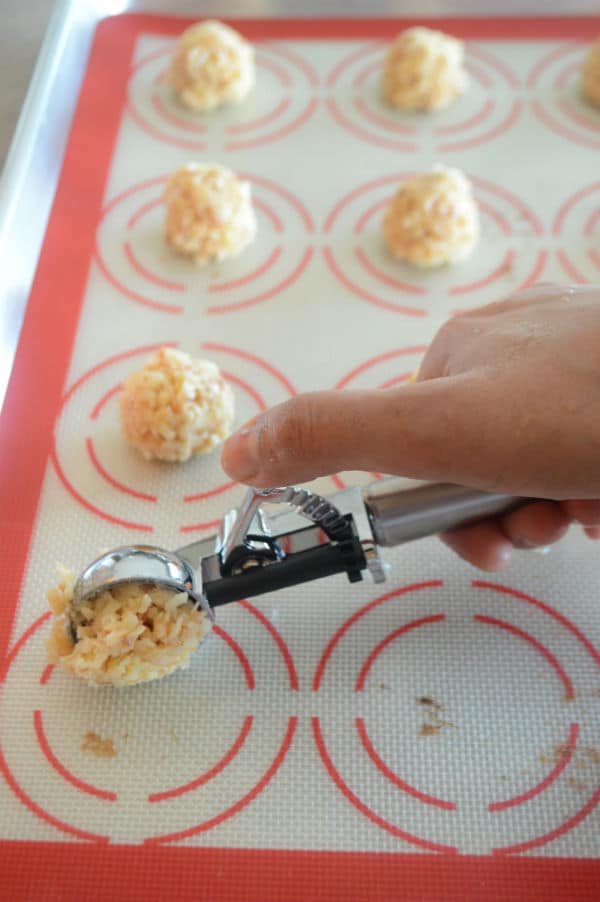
(101, 748)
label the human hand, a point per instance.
(507, 400)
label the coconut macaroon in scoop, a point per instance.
(176, 406)
(209, 213)
(423, 70)
(212, 66)
(432, 219)
(129, 634)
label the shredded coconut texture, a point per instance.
(432, 219)
(209, 213)
(590, 75)
(423, 70)
(176, 407)
(130, 634)
(212, 66)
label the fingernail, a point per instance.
(523, 544)
(239, 457)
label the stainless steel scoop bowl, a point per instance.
(138, 564)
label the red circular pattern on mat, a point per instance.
(537, 645)
(24, 797)
(41, 813)
(376, 119)
(577, 225)
(368, 271)
(483, 113)
(263, 120)
(243, 802)
(550, 778)
(569, 268)
(493, 61)
(401, 631)
(303, 117)
(571, 112)
(133, 257)
(385, 279)
(581, 638)
(359, 131)
(545, 838)
(61, 770)
(147, 274)
(161, 108)
(570, 205)
(143, 496)
(239, 653)
(259, 271)
(369, 296)
(358, 615)
(393, 777)
(505, 124)
(209, 774)
(545, 608)
(555, 125)
(547, 60)
(277, 638)
(365, 809)
(359, 726)
(115, 486)
(497, 807)
(283, 74)
(54, 456)
(362, 730)
(226, 759)
(560, 105)
(281, 286)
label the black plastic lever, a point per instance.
(300, 567)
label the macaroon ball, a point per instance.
(176, 406)
(127, 634)
(212, 66)
(423, 70)
(590, 75)
(209, 213)
(432, 219)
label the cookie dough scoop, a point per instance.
(255, 553)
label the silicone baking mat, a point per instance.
(439, 739)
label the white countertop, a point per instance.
(23, 26)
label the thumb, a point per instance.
(411, 430)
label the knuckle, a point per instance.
(300, 434)
(449, 331)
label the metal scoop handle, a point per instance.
(387, 513)
(398, 514)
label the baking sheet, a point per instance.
(433, 759)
